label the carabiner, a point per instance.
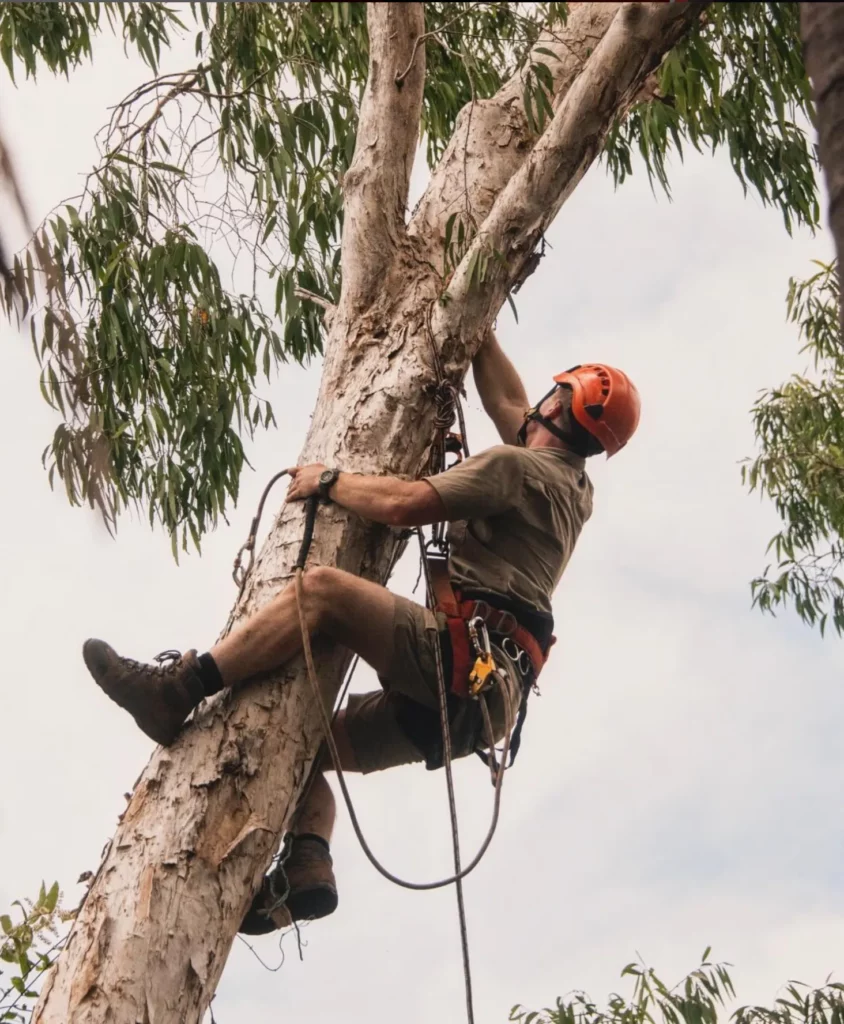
(518, 655)
(477, 627)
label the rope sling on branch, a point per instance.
(447, 400)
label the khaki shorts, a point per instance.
(400, 724)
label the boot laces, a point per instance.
(167, 662)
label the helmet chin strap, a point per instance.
(534, 415)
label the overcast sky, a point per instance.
(681, 780)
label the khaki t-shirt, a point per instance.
(515, 515)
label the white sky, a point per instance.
(680, 782)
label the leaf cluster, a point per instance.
(738, 81)
(59, 35)
(29, 945)
(800, 429)
(697, 999)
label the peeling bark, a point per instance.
(206, 816)
(376, 184)
(822, 28)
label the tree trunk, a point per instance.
(822, 27)
(207, 814)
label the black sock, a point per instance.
(314, 837)
(209, 675)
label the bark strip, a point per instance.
(376, 185)
(822, 28)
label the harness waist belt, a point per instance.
(458, 612)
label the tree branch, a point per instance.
(376, 185)
(822, 27)
(309, 296)
(492, 138)
(633, 45)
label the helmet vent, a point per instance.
(595, 411)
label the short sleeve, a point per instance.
(484, 485)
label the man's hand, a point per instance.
(304, 481)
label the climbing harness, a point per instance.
(523, 648)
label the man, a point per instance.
(515, 513)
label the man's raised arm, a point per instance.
(502, 393)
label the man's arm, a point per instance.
(383, 499)
(502, 393)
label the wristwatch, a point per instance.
(327, 479)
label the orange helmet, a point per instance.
(604, 402)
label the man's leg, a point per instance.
(356, 613)
(353, 611)
(307, 876)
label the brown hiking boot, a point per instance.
(159, 697)
(313, 892)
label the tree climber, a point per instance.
(514, 513)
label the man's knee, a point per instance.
(320, 585)
(357, 613)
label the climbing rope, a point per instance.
(459, 874)
(326, 721)
(446, 397)
(341, 779)
(447, 405)
(496, 770)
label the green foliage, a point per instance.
(697, 999)
(59, 34)
(538, 92)
(737, 80)
(800, 428)
(474, 49)
(164, 295)
(29, 945)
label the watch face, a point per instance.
(326, 477)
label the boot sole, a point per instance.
(306, 905)
(311, 904)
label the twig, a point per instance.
(431, 35)
(186, 85)
(318, 300)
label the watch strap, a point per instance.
(326, 481)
